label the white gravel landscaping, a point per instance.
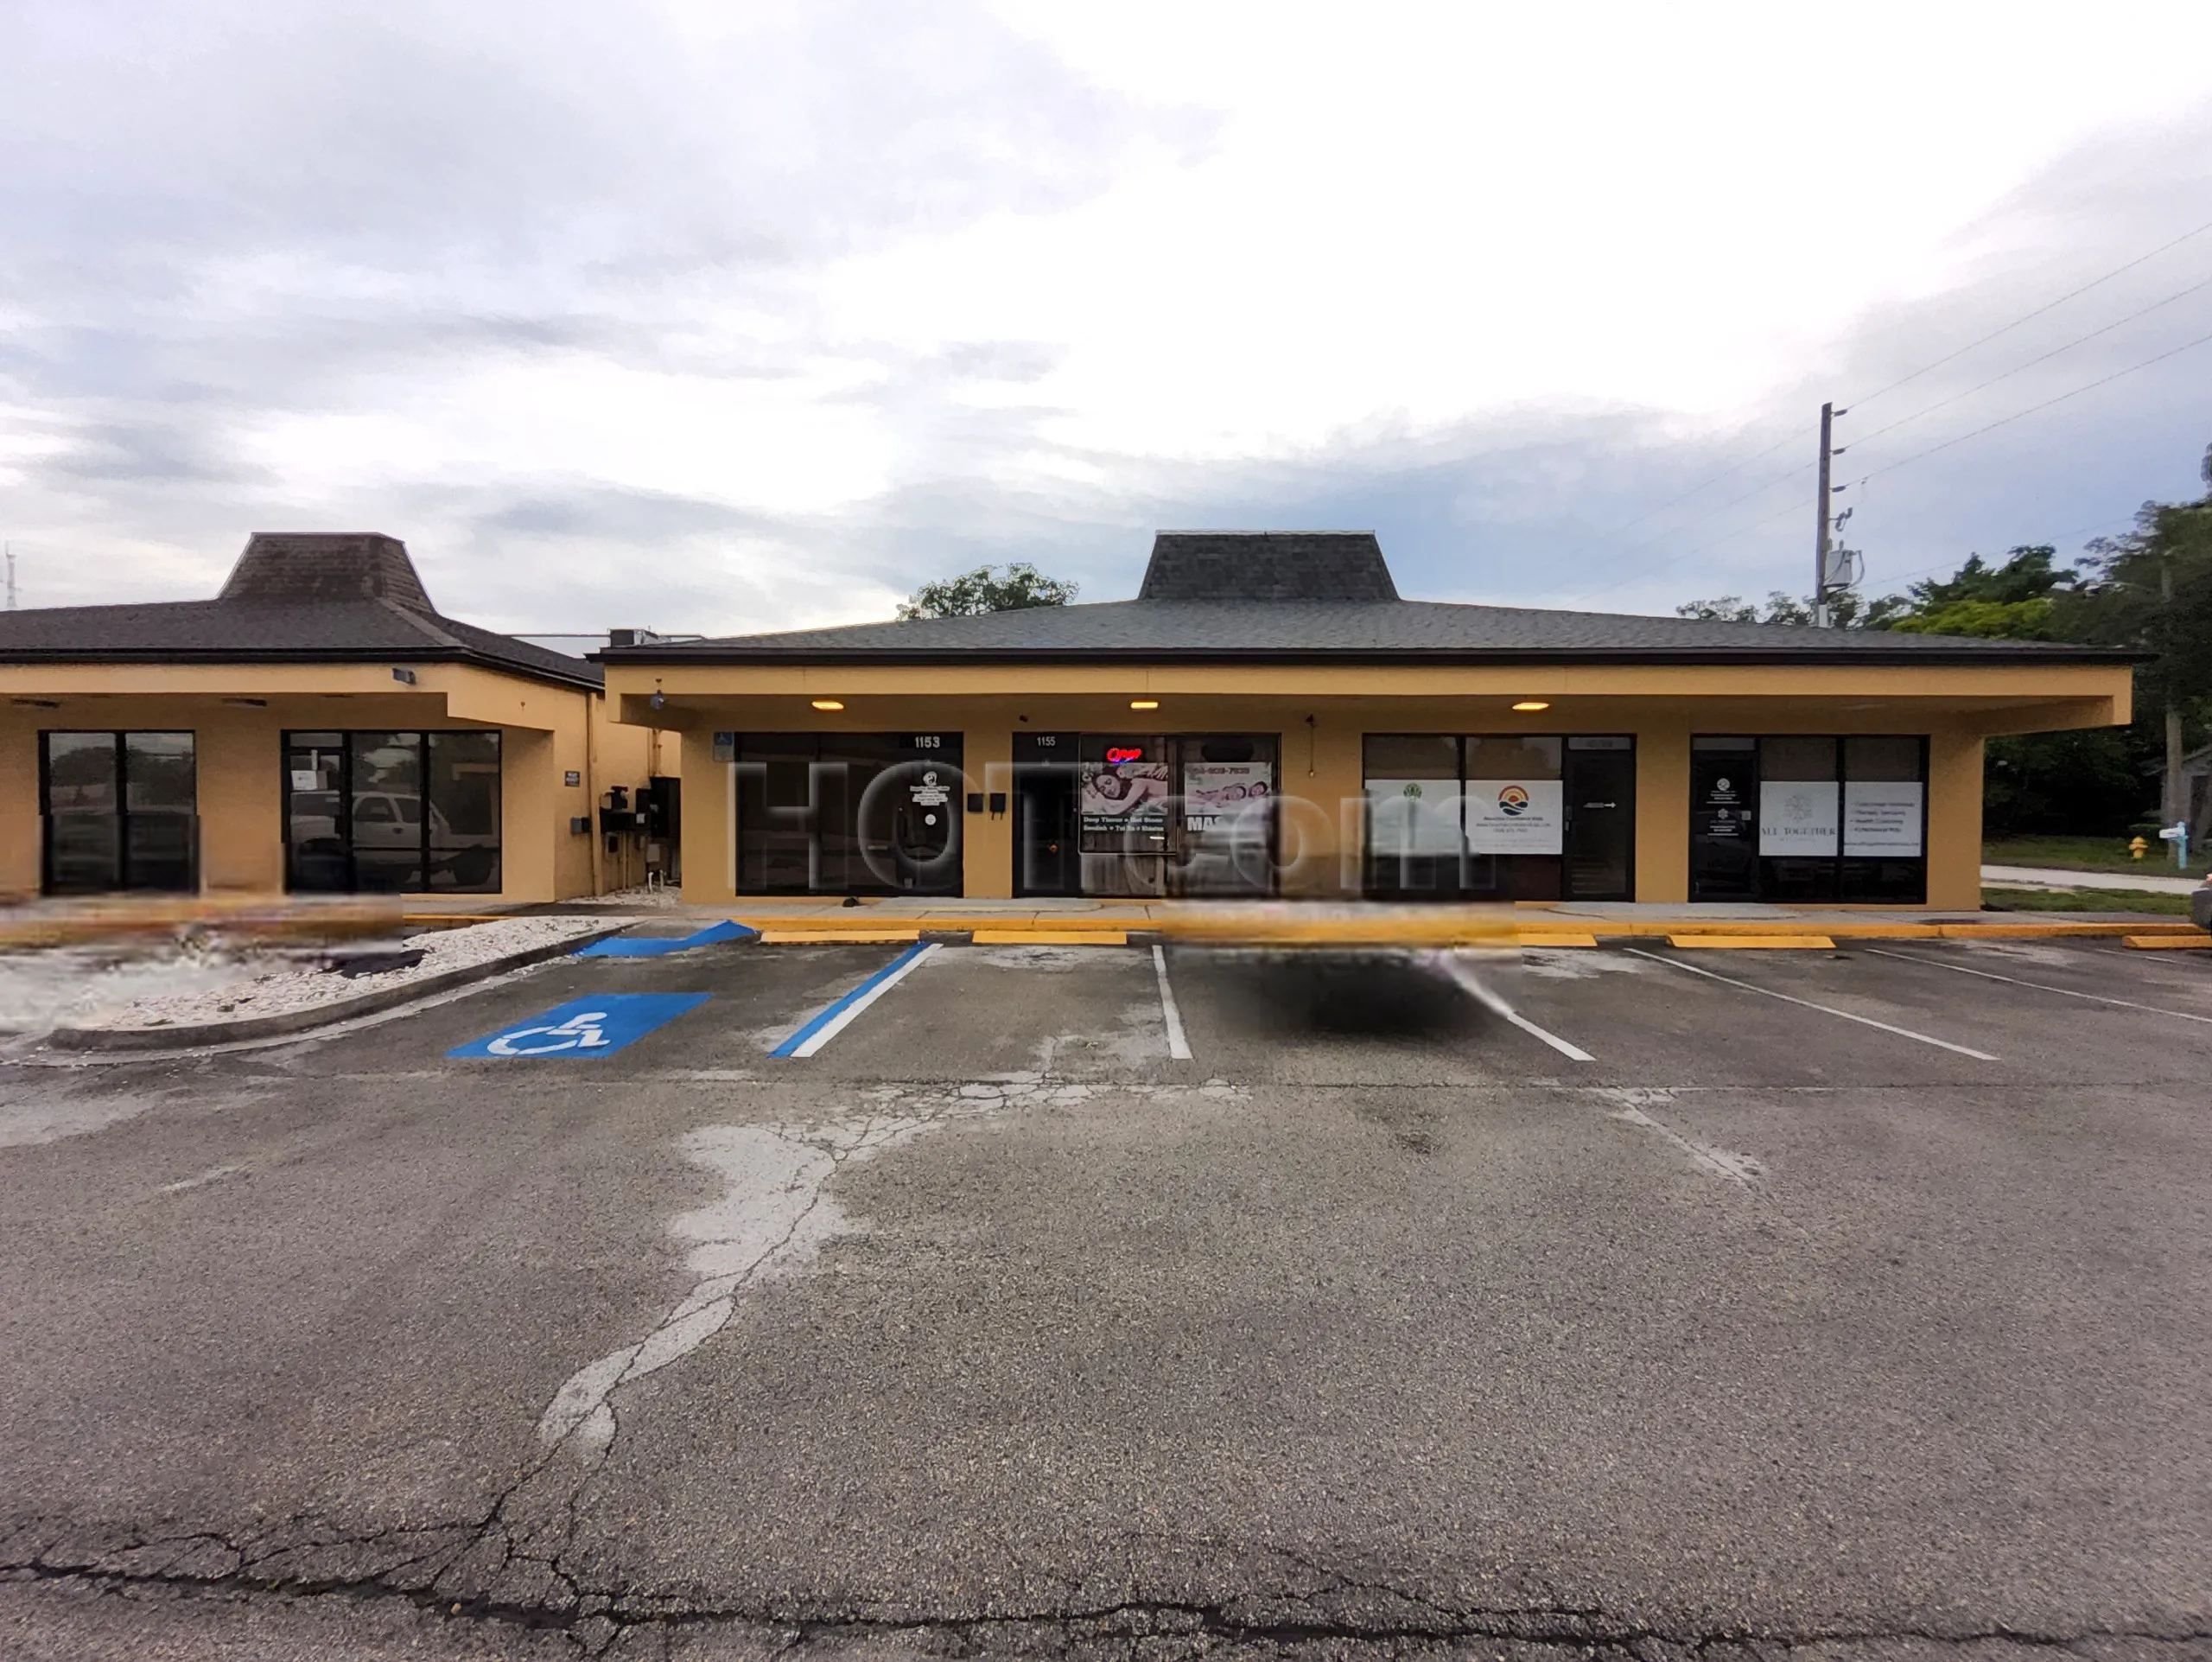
(279, 986)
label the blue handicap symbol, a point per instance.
(587, 1027)
(656, 946)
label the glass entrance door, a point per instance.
(1723, 819)
(1046, 860)
(1600, 819)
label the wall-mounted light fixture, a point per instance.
(1530, 705)
(405, 678)
(1144, 703)
(828, 704)
(660, 700)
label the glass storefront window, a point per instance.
(1808, 818)
(1801, 819)
(463, 774)
(392, 812)
(849, 813)
(120, 811)
(1506, 817)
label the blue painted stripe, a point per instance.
(659, 946)
(831, 1013)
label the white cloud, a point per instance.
(678, 300)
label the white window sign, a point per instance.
(1516, 816)
(306, 778)
(1798, 816)
(1412, 816)
(1882, 816)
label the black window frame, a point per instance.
(493, 878)
(122, 814)
(1851, 879)
(823, 837)
(1450, 878)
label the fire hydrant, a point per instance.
(2139, 848)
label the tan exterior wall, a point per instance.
(1321, 727)
(547, 732)
(1955, 819)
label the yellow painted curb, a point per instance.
(1741, 943)
(840, 937)
(2197, 943)
(1564, 938)
(2057, 931)
(1051, 937)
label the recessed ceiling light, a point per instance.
(1533, 703)
(1144, 703)
(828, 704)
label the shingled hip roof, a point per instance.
(291, 598)
(1226, 596)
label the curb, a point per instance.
(1502, 932)
(306, 1021)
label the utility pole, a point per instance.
(1821, 538)
(2173, 809)
(10, 549)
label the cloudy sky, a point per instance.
(729, 316)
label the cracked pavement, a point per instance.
(1377, 1327)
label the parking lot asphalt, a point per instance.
(1639, 1301)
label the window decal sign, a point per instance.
(1127, 796)
(1797, 816)
(1882, 817)
(586, 1027)
(1414, 817)
(1216, 795)
(1516, 816)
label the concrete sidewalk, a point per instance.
(1358, 924)
(2147, 880)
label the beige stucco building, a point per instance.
(318, 726)
(1271, 718)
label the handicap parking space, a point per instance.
(748, 997)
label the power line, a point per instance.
(1892, 386)
(2181, 294)
(1715, 542)
(1630, 524)
(1733, 501)
(2002, 421)
(1917, 455)
(2031, 316)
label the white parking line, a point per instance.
(2040, 986)
(1490, 1001)
(1825, 1010)
(1179, 1047)
(833, 1021)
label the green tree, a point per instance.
(2152, 589)
(1849, 608)
(2096, 781)
(2017, 601)
(1012, 587)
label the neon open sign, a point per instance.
(1118, 753)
